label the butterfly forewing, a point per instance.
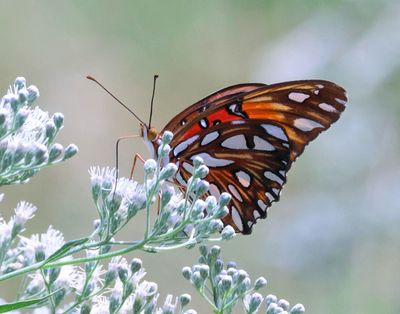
(249, 135)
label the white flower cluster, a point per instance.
(27, 135)
(223, 287)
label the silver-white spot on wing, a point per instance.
(273, 177)
(188, 167)
(261, 204)
(319, 86)
(298, 97)
(209, 138)
(327, 107)
(261, 144)
(256, 214)
(276, 191)
(235, 192)
(270, 197)
(214, 162)
(237, 122)
(341, 101)
(184, 145)
(203, 123)
(180, 179)
(306, 125)
(275, 131)
(214, 190)
(243, 178)
(235, 142)
(236, 218)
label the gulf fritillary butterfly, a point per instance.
(249, 135)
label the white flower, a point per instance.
(67, 277)
(48, 242)
(23, 212)
(100, 305)
(5, 232)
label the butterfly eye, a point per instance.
(152, 134)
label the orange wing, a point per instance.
(249, 135)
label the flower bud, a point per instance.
(163, 150)
(168, 171)
(70, 151)
(20, 118)
(186, 272)
(272, 309)
(167, 137)
(40, 154)
(166, 195)
(185, 299)
(298, 309)
(215, 251)
(221, 212)
(123, 272)
(58, 120)
(39, 253)
(136, 265)
(201, 172)
(50, 130)
(53, 274)
(150, 166)
(244, 285)
(3, 116)
(55, 151)
(284, 304)
(261, 282)
(271, 299)
(20, 152)
(204, 271)
(109, 278)
(215, 225)
(14, 103)
(33, 93)
(197, 161)
(20, 82)
(197, 280)
(198, 209)
(23, 95)
(224, 199)
(225, 284)
(218, 265)
(228, 233)
(202, 187)
(203, 250)
(254, 302)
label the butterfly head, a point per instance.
(148, 134)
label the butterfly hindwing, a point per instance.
(244, 160)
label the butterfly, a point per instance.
(249, 135)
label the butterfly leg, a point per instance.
(117, 156)
(135, 159)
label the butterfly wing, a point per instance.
(249, 135)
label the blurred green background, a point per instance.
(332, 242)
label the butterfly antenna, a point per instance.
(152, 99)
(89, 77)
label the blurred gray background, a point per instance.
(332, 242)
